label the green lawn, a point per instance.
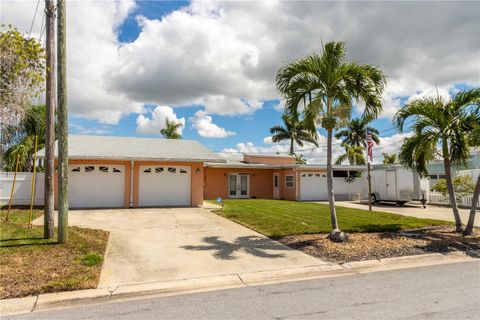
(277, 218)
(30, 264)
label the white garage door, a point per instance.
(96, 186)
(164, 186)
(313, 186)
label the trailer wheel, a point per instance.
(373, 198)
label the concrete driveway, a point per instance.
(149, 245)
(412, 210)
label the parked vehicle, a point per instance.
(395, 183)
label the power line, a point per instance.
(33, 20)
(42, 27)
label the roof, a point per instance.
(269, 155)
(243, 165)
(130, 148)
(335, 167)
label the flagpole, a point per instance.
(368, 175)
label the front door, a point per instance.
(276, 186)
(238, 185)
(391, 185)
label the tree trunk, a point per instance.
(451, 190)
(48, 225)
(291, 146)
(335, 235)
(471, 219)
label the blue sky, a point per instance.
(211, 64)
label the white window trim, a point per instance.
(293, 181)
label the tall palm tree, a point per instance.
(170, 131)
(439, 121)
(294, 130)
(354, 133)
(19, 139)
(475, 142)
(354, 154)
(331, 84)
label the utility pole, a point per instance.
(50, 99)
(62, 124)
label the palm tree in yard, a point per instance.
(354, 133)
(170, 131)
(475, 141)
(354, 154)
(331, 84)
(293, 130)
(447, 123)
(19, 139)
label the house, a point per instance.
(107, 171)
(436, 170)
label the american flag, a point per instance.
(369, 148)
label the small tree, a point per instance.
(294, 130)
(22, 73)
(171, 130)
(463, 186)
(299, 159)
(389, 158)
(354, 154)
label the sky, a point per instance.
(211, 65)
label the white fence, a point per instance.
(439, 198)
(23, 188)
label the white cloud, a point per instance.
(225, 55)
(154, 121)
(202, 122)
(268, 140)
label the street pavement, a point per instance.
(448, 291)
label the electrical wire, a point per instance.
(42, 27)
(33, 20)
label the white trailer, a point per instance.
(395, 183)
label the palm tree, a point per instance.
(293, 130)
(355, 132)
(475, 141)
(170, 131)
(389, 158)
(354, 154)
(439, 121)
(331, 84)
(19, 139)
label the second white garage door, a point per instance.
(164, 186)
(313, 186)
(96, 186)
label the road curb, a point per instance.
(164, 288)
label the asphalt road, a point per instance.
(450, 291)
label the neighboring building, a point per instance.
(436, 170)
(141, 172)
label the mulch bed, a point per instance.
(367, 246)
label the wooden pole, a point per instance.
(51, 88)
(13, 189)
(32, 196)
(62, 124)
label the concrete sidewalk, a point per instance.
(431, 212)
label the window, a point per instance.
(89, 168)
(432, 176)
(116, 170)
(289, 181)
(275, 181)
(317, 175)
(304, 175)
(103, 169)
(340, 174)
(158, 170)
(441, 176)
(147, 170)
(76, 169)
(310, 174)
(354, 174)
(172, 170)
(183, 171)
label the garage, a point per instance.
(96, 186)
(162, 185)
(313, 186)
